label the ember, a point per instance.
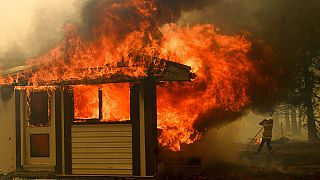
(220, 62)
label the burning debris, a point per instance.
(113, 30)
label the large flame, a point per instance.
(221, 65)
(124, 28)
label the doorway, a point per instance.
(39, 130)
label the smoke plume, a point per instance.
(32, 28)
(278, 30)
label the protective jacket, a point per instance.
(267, 128)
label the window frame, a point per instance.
(82, 120)
(100, 117)
(29, 121)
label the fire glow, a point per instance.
(258, 140)
(115, 102)
(220, 62)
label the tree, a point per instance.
(306, 93)
(308, 102)
(294, 120)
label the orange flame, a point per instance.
(258, 140)
(221, 65)
(115, 102)
(220, 62)
(86, 102)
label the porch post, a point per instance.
(151, 132)
(18, 129)
(144, 123)
(135, 119)
(58, 168)
(68, 119)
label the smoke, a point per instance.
(173, 9)
(216, 118)
(13, 56)
(224, 149)
(223, 144)
(32, 28)
(104, 18)
(99, 17)
(278, 30)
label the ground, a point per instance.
(295, 160)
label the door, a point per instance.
(39, 130)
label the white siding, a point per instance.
(7, 135)
(102, 149)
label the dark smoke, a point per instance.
(173, 9)
(278, 30)
(99, 17)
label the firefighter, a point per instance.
(267, 134)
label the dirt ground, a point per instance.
(296, 160)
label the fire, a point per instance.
(86, 102)
(221, 65)
(115, 102)
(126, 28)
(258, 140)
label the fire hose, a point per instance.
(254, 138)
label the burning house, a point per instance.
(77, 110)
(57, 128)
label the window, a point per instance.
(86, 102)
(39, 145)
(38, 108)
(115, 102)
(107, 103)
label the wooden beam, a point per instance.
(135, 117)
(18, 129)
(151, 133)
(142, 131)
(58, 168)
(144, 123)
(68, 119)
(100, 104)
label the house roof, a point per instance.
(13, 71)
(157, 70)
